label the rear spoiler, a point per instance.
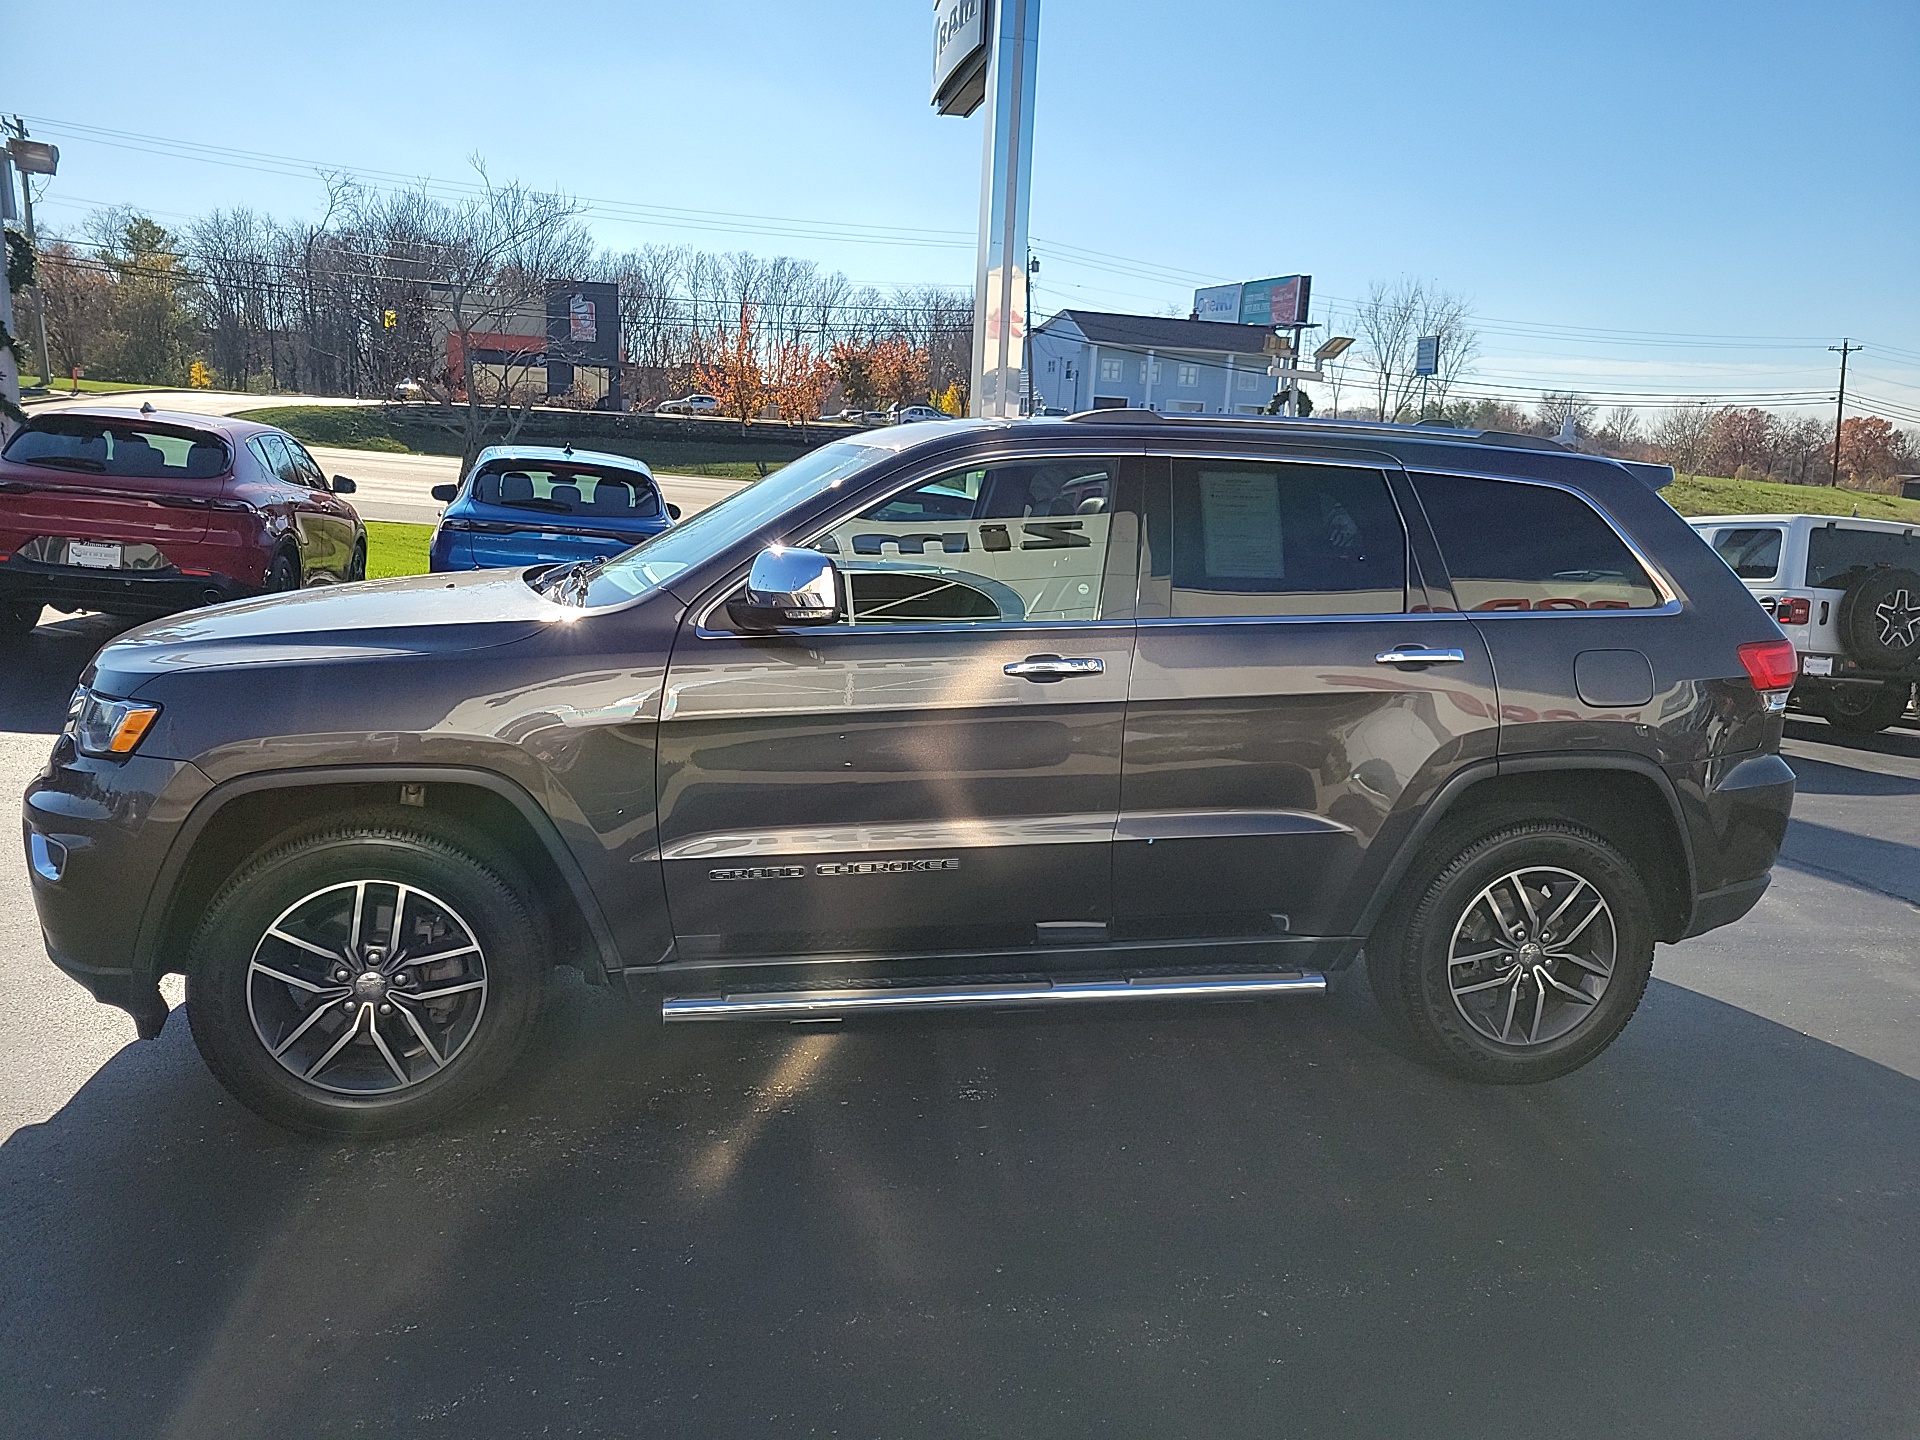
(1654, 477)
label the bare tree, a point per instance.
(485, 262)
(1388, 324)
(1682, 436)
(1557, 407)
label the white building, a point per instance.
(1087, 360)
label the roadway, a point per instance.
(390, 487)
(1229, 1220)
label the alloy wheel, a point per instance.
(1898, 617)
(1530, 958)
(367, 987)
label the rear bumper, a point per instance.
(1738, 830)
(117, 592)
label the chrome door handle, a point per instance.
(1409, 656)
(1045, 669)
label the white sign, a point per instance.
(959, 39)
(1219, 303)
(1426, 355)
(1240, 526)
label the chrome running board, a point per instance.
(827, 1004)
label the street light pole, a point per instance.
(1845, 348)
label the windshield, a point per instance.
(132, 451)
(567, 490)
(648, 566)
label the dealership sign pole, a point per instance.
(985, 51)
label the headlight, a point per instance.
(104, 727)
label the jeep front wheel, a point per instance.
(1517, 955)
(363, 980)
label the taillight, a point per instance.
(1772, 666)
(1793, 610)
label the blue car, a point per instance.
(535, 505)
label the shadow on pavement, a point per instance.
(1234, 1220)
(39, 670)
(1862, 862)
(1900, 740)
(1823, 777)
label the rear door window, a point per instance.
(1837, 555)
(582, 491)
(1252, 538)
(304, 465)
(273, 454)
(1752, 553)
(133, 452)
(1515, 546)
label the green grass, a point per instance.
(345, 427)
(63, 386)
(721, 469)
(396, 549)
(1705, 495)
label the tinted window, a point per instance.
(1837, 556)
(304, 465)
(92, 447)
(1257, 539)
(1512, 546)
(1024, 541)
(273, 454)
(1752, 554)
(570, 490)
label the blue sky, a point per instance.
(1675, 173)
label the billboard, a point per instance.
(959, 55)
(1281, 300)
(583, 322)
(1219, 303)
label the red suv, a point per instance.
(145, 513)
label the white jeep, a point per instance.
(1847, 593)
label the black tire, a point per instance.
(1863, 709)
(1444, 897)
(408, 1061)
(18, 617)
(357, 567)
(284, 573)
(1879, 619)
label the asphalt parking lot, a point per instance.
(1221, 1221)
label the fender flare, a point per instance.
(167, 881)
(1449, 798)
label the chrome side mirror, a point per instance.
(786, 588)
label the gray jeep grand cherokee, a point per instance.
(1108, 708)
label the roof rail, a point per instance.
(1137, 415)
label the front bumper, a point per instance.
(148, 593)
(96, 833)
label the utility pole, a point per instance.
(9, 369)
(33, 157)
(1845, 348)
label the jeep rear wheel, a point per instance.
(364, 980)
(1518, 954)
(1862, 709)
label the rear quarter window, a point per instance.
(1512, 546)
(131, 451)
(1752, 553)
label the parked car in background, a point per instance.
(143, 513)
(534, 505)
(1119, 709)
(1847, 593)
(409, 390)
(689, 405)
(913, 413)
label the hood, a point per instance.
(373, 620)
